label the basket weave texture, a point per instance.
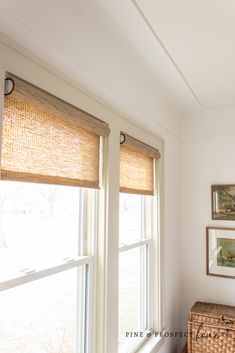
(211, 328)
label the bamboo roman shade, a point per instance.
(46, 140)
(137, 166)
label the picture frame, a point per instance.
(223, 202)
(220, 252)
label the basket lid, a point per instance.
(213, 309)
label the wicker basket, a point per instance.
(211, 328)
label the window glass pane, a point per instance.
(39, 225)
(130, 218)
(132, 292)
(42, 316)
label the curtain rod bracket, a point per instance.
(9, 86)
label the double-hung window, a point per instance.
(54, 280)
(137, 234)
(50, 176)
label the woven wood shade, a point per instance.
(46, 140)
(137, 167)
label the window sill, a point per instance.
(151, 345)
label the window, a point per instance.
(136, 236)
(50, 169)
(134, 267)
(42, 316)
(48, 266)
(59, 217)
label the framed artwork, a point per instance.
(223, 202)
(220, 248)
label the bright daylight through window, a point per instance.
(134, 267)
(42, 231)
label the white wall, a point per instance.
(28, 67)
(208, 147)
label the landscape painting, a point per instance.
(226, 252)
(223, 202)
(220, 252)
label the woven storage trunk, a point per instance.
(211, 328)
